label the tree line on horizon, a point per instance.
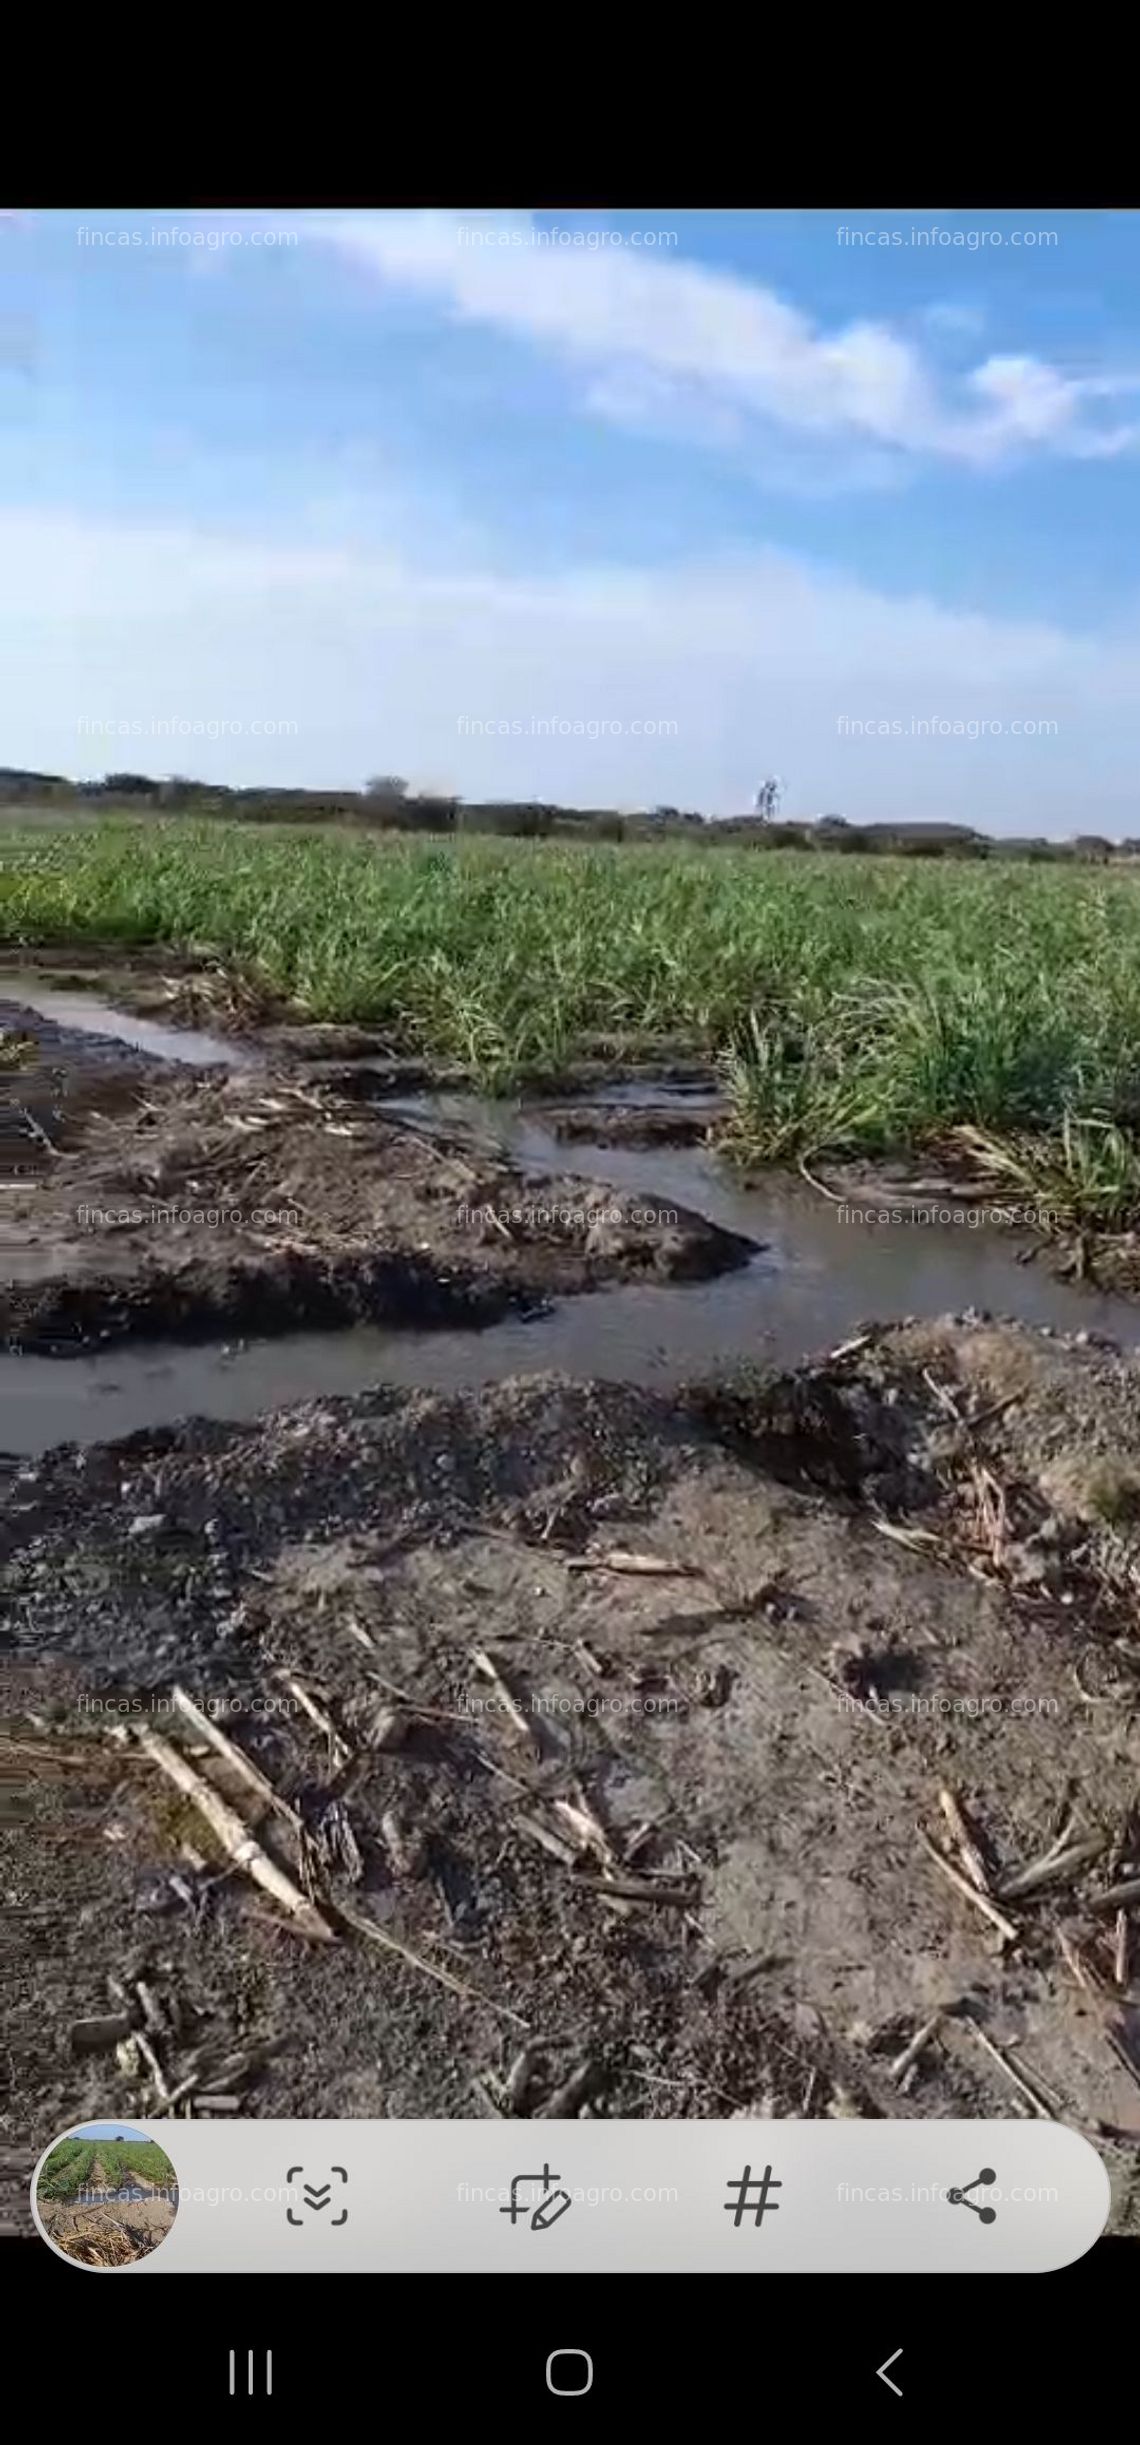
(388, 804)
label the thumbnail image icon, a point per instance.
(105, 2195)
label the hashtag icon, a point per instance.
(743, 2205)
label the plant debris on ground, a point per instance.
(768, 1750)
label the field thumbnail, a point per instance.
(106, 2195)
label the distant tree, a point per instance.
(15, 783)
(661, 822)
(435, 814)
(386, 785)
(837, 838)
(129, 785)
(421, 813)
(755, 832)
(180, 792)
(1090, 845)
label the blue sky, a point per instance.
(106, 2130)
(618, 509)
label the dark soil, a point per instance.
(663, 1124)
(754, 1735)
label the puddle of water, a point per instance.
(87, 1015)
(815, 1281)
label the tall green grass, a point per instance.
(865, 1003)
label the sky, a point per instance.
(106, 2130)
(605, 509)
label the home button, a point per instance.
(569, 2372)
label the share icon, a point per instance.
(961, 2198)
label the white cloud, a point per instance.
(664, 341)
(385, 661)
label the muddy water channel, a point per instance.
(72, 1009)
(818, 1274)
